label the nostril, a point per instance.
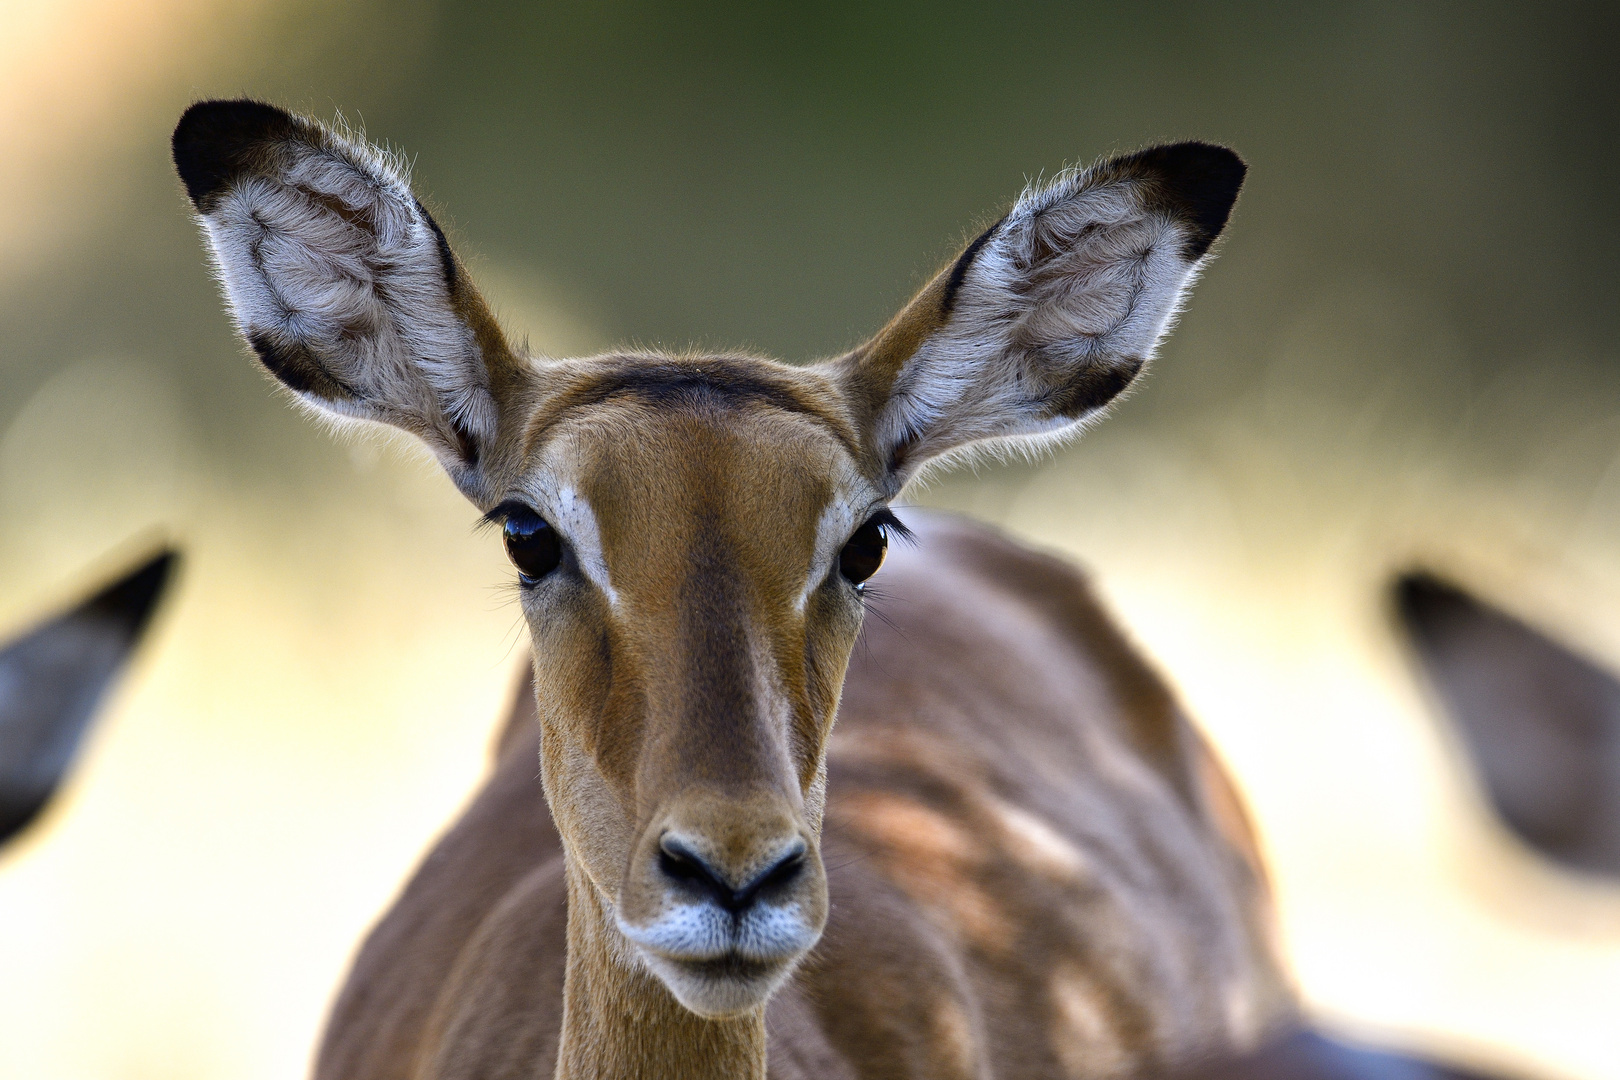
(783, 873)
(678, 867)
(680, 863)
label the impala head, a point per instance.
(692, 534)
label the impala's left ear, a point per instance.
(344, 284)
(1048, 315)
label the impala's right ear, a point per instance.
(1048, 315)
(343, 284)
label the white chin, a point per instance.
(719, 988)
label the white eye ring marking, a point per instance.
(572, 516)
(838, 521)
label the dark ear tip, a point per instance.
(1420, 597)
(214, 141)
(1200, 181)
(131, 599)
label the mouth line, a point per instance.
(730, 966)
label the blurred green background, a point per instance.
(1406, 352)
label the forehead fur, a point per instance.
(723, 388)
(673, 454)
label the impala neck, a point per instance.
(620, 1022)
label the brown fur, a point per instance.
(1122, 931)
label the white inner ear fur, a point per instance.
(1078, 273)
(362, 288)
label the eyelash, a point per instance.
(897, 528)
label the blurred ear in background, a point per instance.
(52, 680)
(1540, 723)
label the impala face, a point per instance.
(691, 534)
(692, 550)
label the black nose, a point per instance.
(685, 866)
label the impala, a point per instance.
(1011, 856)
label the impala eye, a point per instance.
(534, 546)
(864, 552)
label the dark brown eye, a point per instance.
(864, 553)
(534, 547)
